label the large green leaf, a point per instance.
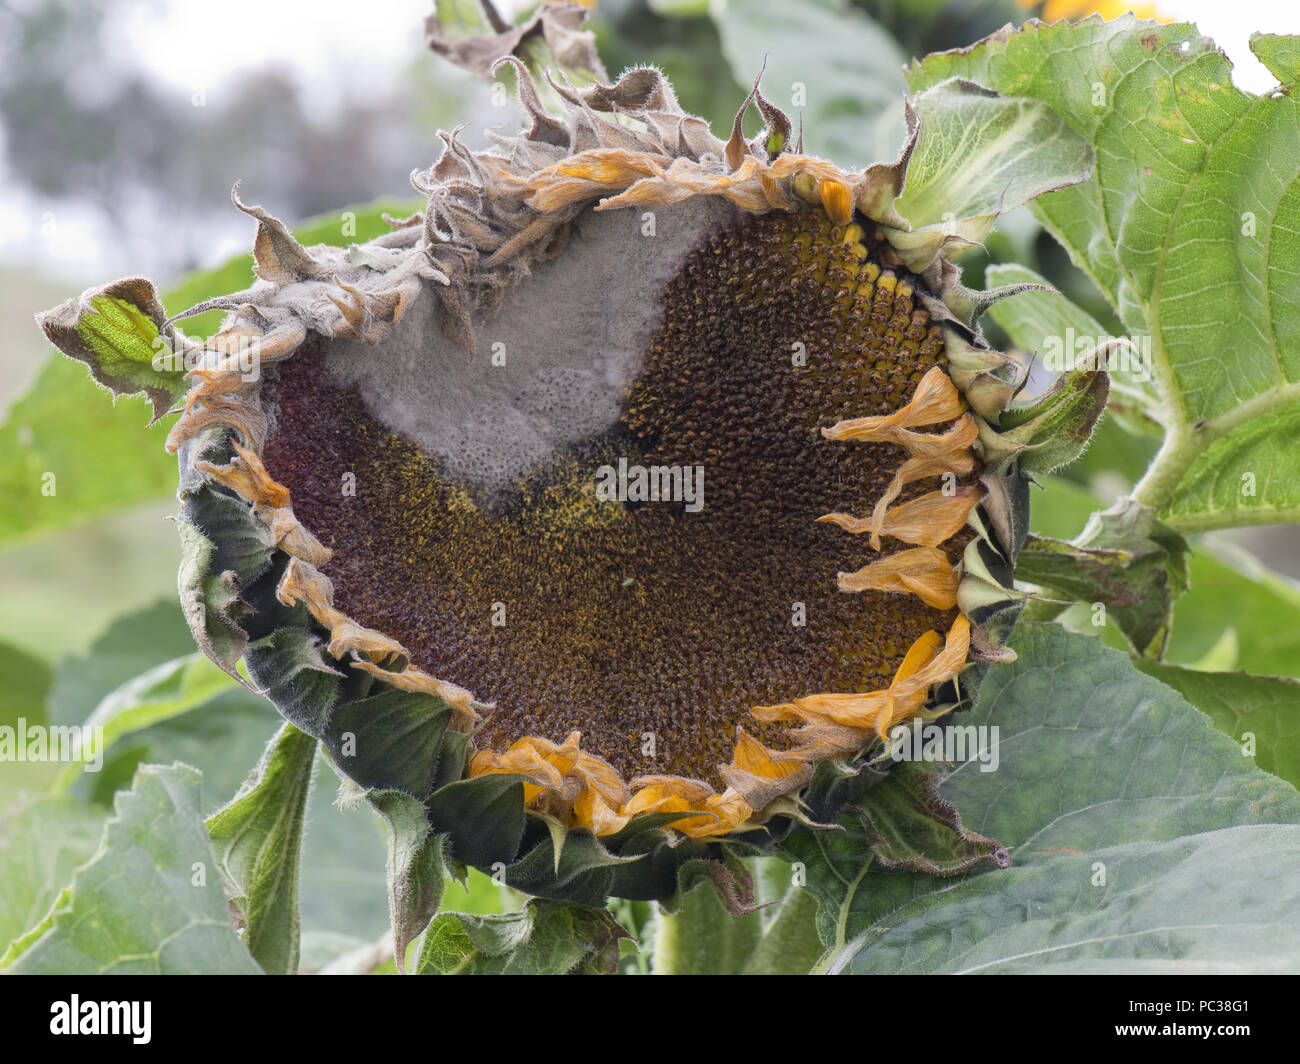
(163, 692)
(343, 856)
(831, 68)
(979, 154)
(41, 844)
(149, 902)
(258, 839)
(100, 454)
(137, 681)
(342, 864)
(1141, 839)
(1188, 228)
(223, 738)
(1260, 712)
(132, 644)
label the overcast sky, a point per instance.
(322, 43)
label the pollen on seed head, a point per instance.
(629, 617)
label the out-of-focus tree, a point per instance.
(84, 122)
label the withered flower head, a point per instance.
(638, 476)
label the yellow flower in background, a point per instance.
(1054, 10)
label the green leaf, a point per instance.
(831, 67)
(41, 845)
(1260, 712)
(343, 883)
(913, 827)
(222, 736)
(161, 693)
(1048, 324)
(1125, 560)
(789, 944)
(132, 644)
(979, 154)
(1187, 227)
(483, 816)
(1281, 54)
(390, 738)
(22, 699)
(120, 331)
(582, 871)
(545, 938)
(27, 679)
(258, 840)
(416, 871)
(99, 452)
(1256, 610)
(1101, 771)
(149, 902)
(1248, 475)
(1261, 608)
(702, 938)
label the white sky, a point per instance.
(1231, 22)
(323, 41)
(323, 44)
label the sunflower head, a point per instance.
(637, 484)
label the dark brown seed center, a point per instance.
(651, 626)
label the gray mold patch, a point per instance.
(552, 366)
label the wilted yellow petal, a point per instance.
(923, 571)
